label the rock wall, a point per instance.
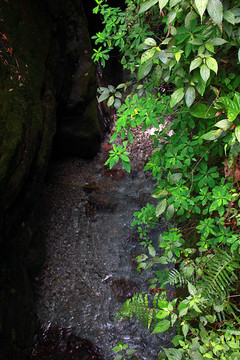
(27, 125)
(78, 130)
(45, 69)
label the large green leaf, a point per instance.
(212, 135)
(147, 55)
(105, 94)
(229, 17)
(195, 63)
(215, 10)
(201, 6)
(144, 69)
(223, 124)
(150, 41)
(218, 41)
(203, 111)
(232, 107)
(161, 326)
(170, 212)
(161, 207)
(176, 97)
(147, 5)
(190, 96)
(204, 72)
(212, 64)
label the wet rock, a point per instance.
(59, 343)
(115, 173)
(123, 289)
(102, 202)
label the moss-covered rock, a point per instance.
(27, 125)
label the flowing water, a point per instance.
(90, 267)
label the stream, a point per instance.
(90, 267)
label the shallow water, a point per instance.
(90, 266)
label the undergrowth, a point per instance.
(183, 59)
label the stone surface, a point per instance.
(78, 130)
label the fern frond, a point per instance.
(139, 306)
(174, 277)
(218, 275)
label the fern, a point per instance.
(139, 305)
(219, 275)
(174, 277)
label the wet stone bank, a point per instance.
(90, 267)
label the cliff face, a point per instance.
(45, 69)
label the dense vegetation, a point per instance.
(183, 62)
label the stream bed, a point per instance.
(90, 267)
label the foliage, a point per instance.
(190, 48)
(123, 351)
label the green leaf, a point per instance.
(223, 124)
(209, 46)
(203, 111)
(141, 258)
(163, 57)
(116, 349)
(229, 17)
(190, 96)
(195, 63)
(147, 5)
(212, 135)
(232, 107)
(162, 4)
(110, 101)
(161, 326)
(130, 136)
(126, 166)
(124, 157)
(147, 55)
(204, 72)
(176, 97)
(218, 41)
(170, 212)
(161, 207)
(118, 357)
(174, 178)
(201, 6)
(215, 10)
(103, 96)
(117, 104)
(185, 328)
(130, 351)
(160, 195)
(237, 132)
(150, 41)
(144, 69)
(189, 18)
(151, 251)
(173, 354)
(212, 64)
